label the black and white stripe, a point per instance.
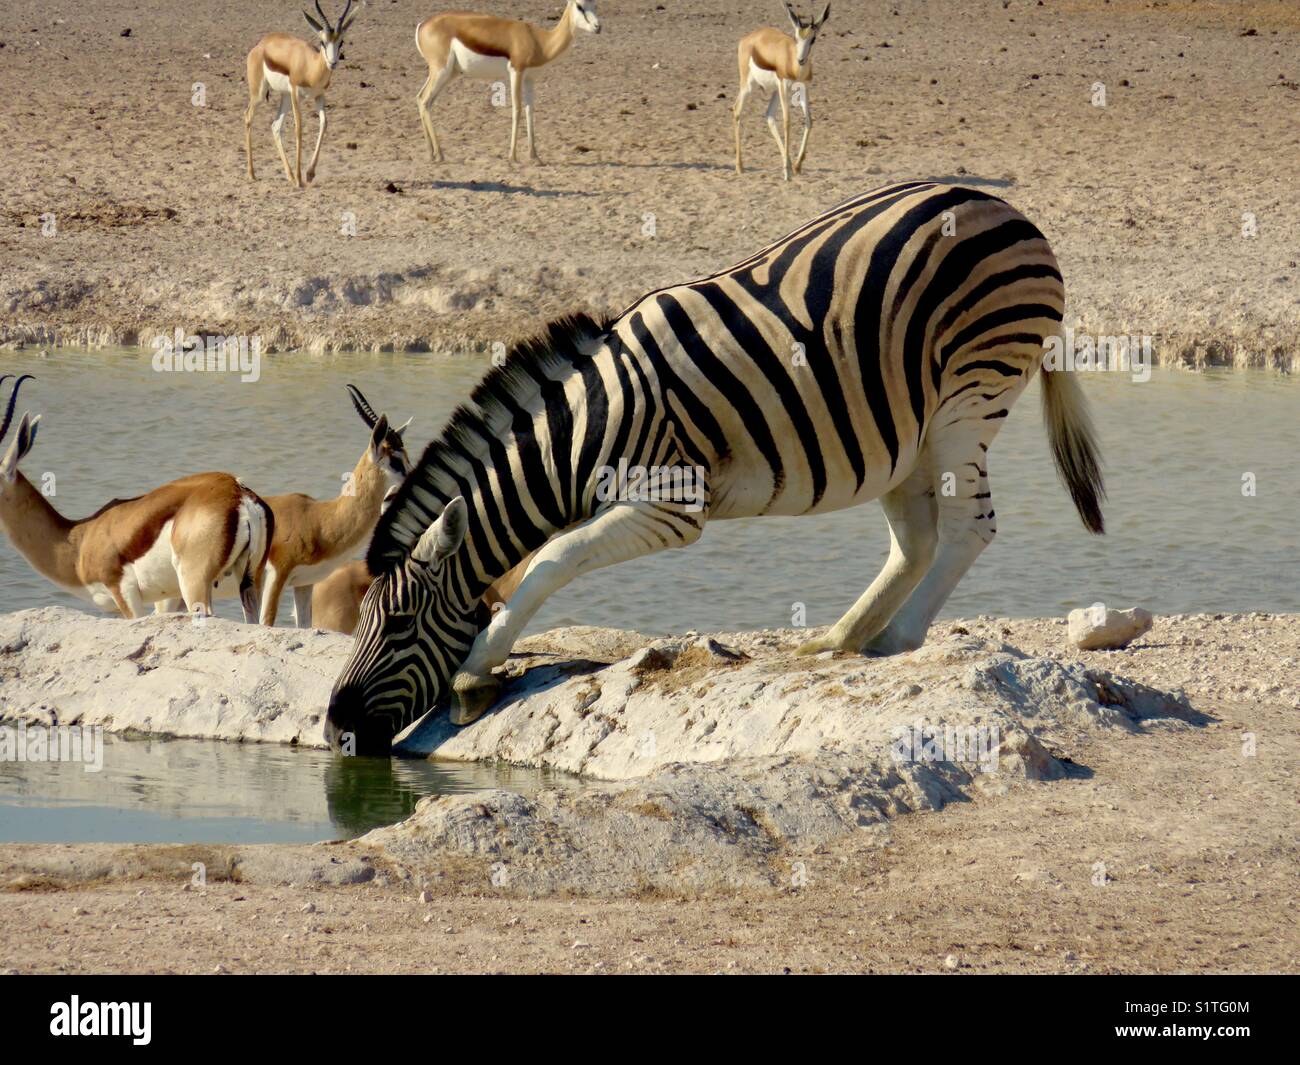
(866, 355)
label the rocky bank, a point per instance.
(713, 760)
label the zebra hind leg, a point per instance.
(966, 526)
(913, 529)
(623, 532)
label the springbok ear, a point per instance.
(344, 27)
(404, 426)
(314, 24)
(378, 435)
(23, 441)
(826, 13)
(794, 19)
(444, 537)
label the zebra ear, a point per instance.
(444, 537)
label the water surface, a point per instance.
(1182, 536)
(200, 791)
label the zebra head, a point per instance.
(805, 32)
(415, 629)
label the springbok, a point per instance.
(781, 65)
(194, 538)
(336, 601)
(295, 69)
(494, 49)
(313, 538)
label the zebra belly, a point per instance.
(743, 488)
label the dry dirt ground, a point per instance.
(1172, 208)
(1172, 851)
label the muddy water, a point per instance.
(1180, 448)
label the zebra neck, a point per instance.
(532, 482)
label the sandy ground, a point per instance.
(1199, 869)
(155, 226)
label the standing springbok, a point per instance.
(494, 49)
(336, 601)
(313, 538)
(192, 538)
(295, 69)
(781, 65)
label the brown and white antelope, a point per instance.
(781, 65)
(191, 539)
(488, 48)
(336, 601)
(299, 72)
(313, 538)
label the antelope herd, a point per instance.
(204, 537)
(210, 536)
(512, 53)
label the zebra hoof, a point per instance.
(472, 697)
(815, 647)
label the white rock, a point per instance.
(1097, 627)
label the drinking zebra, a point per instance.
(870, 354)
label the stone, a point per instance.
(1098, 628)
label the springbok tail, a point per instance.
(256, 527)
(1074, 445)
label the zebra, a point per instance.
(872, 353)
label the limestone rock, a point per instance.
(1098, 628)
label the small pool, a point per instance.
(201, 791)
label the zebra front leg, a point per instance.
(914, 535)
(623, 532)
(967, 525)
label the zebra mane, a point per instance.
(488, 415)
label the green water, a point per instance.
(197, 791)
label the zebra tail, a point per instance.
(1074, 445)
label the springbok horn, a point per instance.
(344, 17)
(363, 408)
(324, 16)
(13, 400)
